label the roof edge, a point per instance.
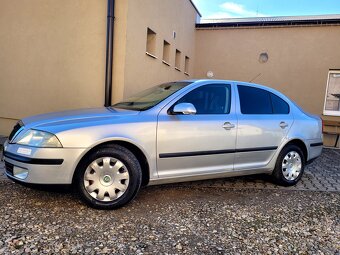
(269, 23)
(198, 12)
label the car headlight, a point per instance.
(38, 138)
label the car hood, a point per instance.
(75, 117)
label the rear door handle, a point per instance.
(283, 124)
(228, 125)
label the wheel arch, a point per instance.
(140, 155)
(301, 144)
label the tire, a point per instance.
(108, 178)
(289, 166)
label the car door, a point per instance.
(264, 120)
(201, 143)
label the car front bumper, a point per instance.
(41, 165)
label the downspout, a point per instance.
(109, 52)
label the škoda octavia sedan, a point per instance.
(174, 132)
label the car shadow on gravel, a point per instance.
(66, 195)
(47, 187)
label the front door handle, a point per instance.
(228, 125)
(283, 124)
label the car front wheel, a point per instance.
(109, 178)
(289, 166)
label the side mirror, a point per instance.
(184, 108)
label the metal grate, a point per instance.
(9, 168)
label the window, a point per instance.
(254, 100)
(259, 101)
(166, 52)
(279, 105)
(178, 60)
(151, 97)
(332, 98)
(186, 65)
(151, 43)
(209, 99)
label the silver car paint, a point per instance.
(155, 132)
(187, 133)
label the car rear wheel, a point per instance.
(289, 166)
(109, 178)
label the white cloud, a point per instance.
(219, 15)
(234, 10)
(233, 7)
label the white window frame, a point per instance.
(327, 112)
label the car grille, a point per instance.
(9, 168)
(15, 130)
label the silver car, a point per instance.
(174, 132)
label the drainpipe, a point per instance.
(109, 52)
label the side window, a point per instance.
(279, 105)
(254, 100)
(209, 99)
(259, 101)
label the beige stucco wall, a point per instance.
(298, 65)
(52, 57)
(163, 17)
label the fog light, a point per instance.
(20, 173)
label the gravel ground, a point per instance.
(172, 220)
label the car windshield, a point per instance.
(151, 97)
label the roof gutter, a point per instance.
(266, 23)
(109, 52)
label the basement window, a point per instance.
(178, 60)
(186, 65)
(166, 53)
(332, 97)
(151, 43)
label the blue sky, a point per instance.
(215, 9)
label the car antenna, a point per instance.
(255, 77)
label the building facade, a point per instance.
(53, 54)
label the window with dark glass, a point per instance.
(279, 105)
(259, 101)
(209, 99)
(254, 100)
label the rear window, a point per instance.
(259, 101)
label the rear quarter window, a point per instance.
(279, 105)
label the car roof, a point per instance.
(203, 81)
(228, 81)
